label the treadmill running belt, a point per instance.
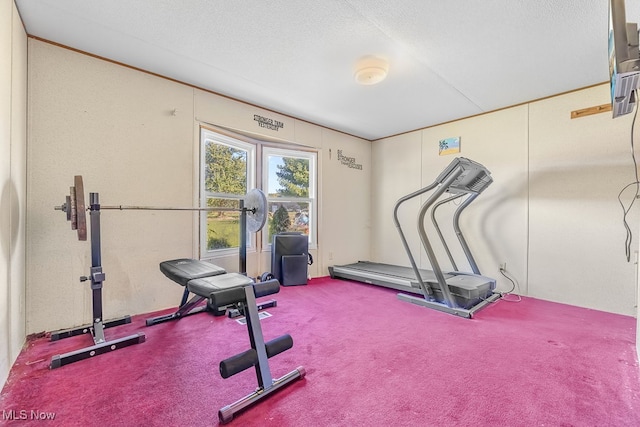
(394, 270)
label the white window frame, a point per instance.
(207, 136)
(268, 151)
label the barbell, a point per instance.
(254, 206)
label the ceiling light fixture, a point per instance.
(371, 70)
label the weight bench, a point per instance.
(183, 271)
(223, 290)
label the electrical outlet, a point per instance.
(503, 265)
(330, 255)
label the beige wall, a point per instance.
(577, 168)
(115, 127)
(13, 115)
(134, 138)
(552, 213)
(346, 199)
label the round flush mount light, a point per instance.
(371, 70)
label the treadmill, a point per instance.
(455, 292)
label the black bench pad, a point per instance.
(183, 270)
(222, 290)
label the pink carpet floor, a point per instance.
(371, 360)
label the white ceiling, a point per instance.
(449, 59)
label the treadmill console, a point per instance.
(473, 179)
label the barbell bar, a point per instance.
(255, 209)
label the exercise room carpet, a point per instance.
(371, 360)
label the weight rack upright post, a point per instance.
(97, 277)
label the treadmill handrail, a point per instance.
(437, 271)
(425, 289)
(437, 227)
(461, 239)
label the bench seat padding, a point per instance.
(222, 289)
(183, 270)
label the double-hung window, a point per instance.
(231, 167)
(289, 179)
(227, 174)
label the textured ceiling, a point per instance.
(448, 59)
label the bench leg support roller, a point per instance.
(259, 353)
